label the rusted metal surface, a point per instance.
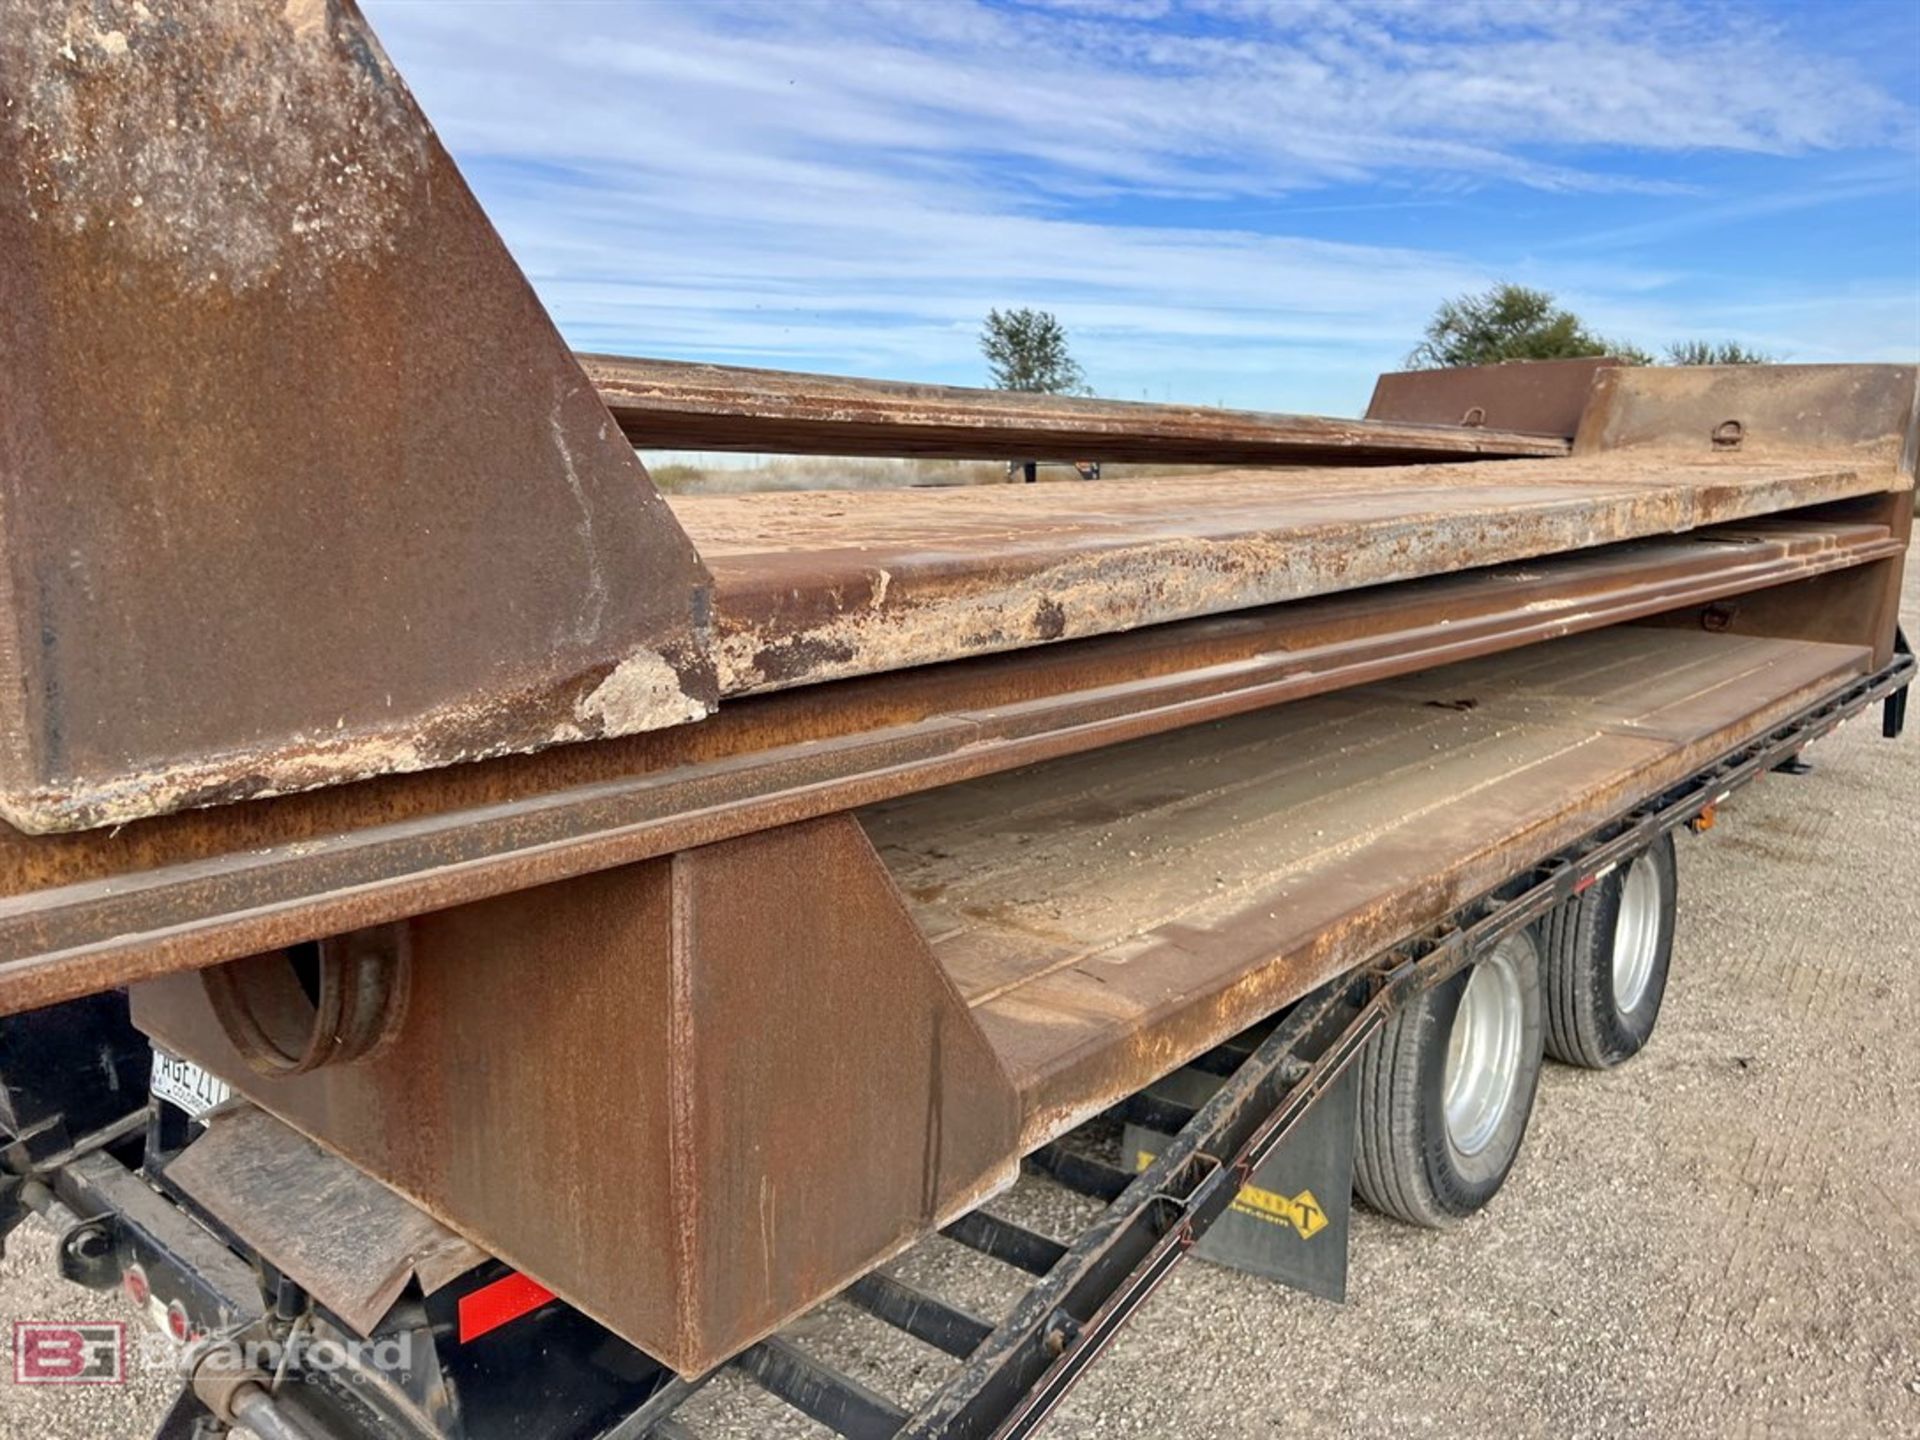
(667, 404)
(1870, 413)
(348, 1240)
(298, 483)
(94, 910)
(1773, 413)
(692, 1097)
(1114, 915)
(1836, 608)
(816, 586)
(298, 487)
(351, 508)
(1543, 397)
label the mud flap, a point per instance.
(1893, 714)
(1291, 1223)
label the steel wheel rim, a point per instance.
(1636, 934)
(1483, 1053)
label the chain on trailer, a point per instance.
(1012, 1376)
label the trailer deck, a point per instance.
(1258, 858)
(1113, 914)
(1013, 1371)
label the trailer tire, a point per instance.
(1424, 1151)
(1606, 953)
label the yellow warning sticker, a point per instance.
(1301, 1211)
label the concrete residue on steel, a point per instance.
(642, 692)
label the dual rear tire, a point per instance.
(1607, 951)
(1447, 1087)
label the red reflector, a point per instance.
(1586, 884)
(492, 1306)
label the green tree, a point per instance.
(1027, 350)
(1510, 322)
(1707, 352)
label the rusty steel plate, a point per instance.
(812, 586)
(692, 1097)
(298, 483)
(1114, 914)
(668, 404)
(349, 1241)
(1536, 397)
(1759, 412)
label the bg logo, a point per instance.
(47, 1352)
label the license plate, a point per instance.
(183, 1083)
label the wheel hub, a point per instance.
(1636, 933)
(1483, 1052)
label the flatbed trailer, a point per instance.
(560, 920)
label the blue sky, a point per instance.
(1249, 202)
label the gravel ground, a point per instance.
(1721, 1238)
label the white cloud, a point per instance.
(851, 185)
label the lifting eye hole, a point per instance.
(1728, 434)
(317, 1003)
